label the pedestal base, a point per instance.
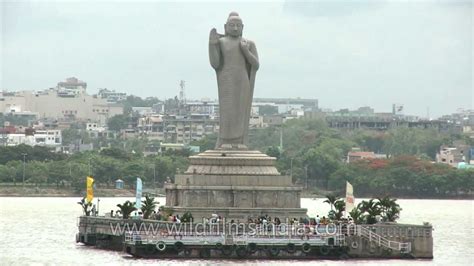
(235, 184)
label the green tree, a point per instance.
(172, 105)
(320, 164)
(85, 206)
(339, 207)
(4, 176)
(389, 209)
(392, 213)
(126, 209)
(148, 206)
(371, 209)
(401, 141)
(132, 170)
(36, 153)
(298, 135)
(357, 215)
(8, 173)
(326, 158)
(118, 122)
(115, 153)
(77, 177)
(463, 181)
(208, 142)
(331, 199)
(58, 172)
(75, 134)
(273, 152)
(135, 101)
(36, 172)
(337, 180)
(107, 169)
(135, 146)
(413, 141)
(369, 140)
(164, 167)
(16, 168)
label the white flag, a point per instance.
(349, 197)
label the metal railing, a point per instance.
(402, 247)
(260, 235)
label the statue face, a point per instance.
(234, 27)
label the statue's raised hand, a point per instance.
(214, 36)
(244, 45)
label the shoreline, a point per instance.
(37, 192)
(72, 195)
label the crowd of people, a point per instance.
(265, 219)
(258, 220)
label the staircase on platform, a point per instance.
(402, 247)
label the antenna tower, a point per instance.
(182, 97)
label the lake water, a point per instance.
(42, 231)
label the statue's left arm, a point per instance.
(250, 52)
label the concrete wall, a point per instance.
(232, 196)
(419, 236)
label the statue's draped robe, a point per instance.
(235, 93)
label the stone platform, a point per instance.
(234, 184)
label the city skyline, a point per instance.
(346, 55)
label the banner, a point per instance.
(349, 197)
(90, 189)
(138, 200)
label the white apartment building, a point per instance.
(111, 95)
(71, 87)
(49, 138)
(95, 127)
(177, 129)
(256, 121)
(55, 103)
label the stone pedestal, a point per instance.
(236, 184)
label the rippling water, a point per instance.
(42, 231)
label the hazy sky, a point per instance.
(347, 54)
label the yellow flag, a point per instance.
(90, 189)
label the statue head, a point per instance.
(234, 26)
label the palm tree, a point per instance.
(364, 205)
(85, 206)
(356, 215)
(127, 208)
(393, 213)
(390, 209)
(384, 203)
(372, 208)
(148, 206)
(340, 207)
(331, 199)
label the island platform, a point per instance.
(159, 240)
